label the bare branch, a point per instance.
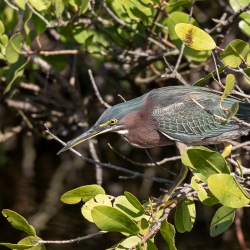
(174, 158)
(108, 165)
(72, 240)
(38, 14)
(95, 157)
(97, 93)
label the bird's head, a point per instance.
(112, 120)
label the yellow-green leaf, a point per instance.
(189, 213)
(113, 220)
(16, 246)
(178, 219)
(230, 79)
(40, 5)
(227, 190)
(32, 241)
(181, 17)
(231, 112)
(123, 204)
(235, 53)
(100, 199)
(202, 81)
(128, 243)
(2, 29)
(16, 70)
(205, 197)
(194, 37)
(245, 28)
(84, 193)
(14, 48)
(168, 233)
(204, 162)
(134, 201)
(19, 222)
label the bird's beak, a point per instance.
(92, 132)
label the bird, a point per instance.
(183, 115)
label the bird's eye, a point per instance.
(112, 122)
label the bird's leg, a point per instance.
(182, 175)
(227, 149)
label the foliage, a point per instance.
(143, 39)
(137, 222)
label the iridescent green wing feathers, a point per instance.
(184, 120)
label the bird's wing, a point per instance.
(184, 120)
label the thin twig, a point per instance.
(157, 165)
(38, 14)
(124, 25)
(72, 240)
(219, 117)
(97, 93)
(108, 165)
(11, 5)
(95, 157)
(58, 52)
(230, 19)
(174, 158)
(183, 45)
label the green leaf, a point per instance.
(139, 10)
(16, 246)
(84, 193)
(222, 220)
(26, 17)
(2, 29)
(82, 5)
(194, 37)
(100, 199)
(18, 222)
(33, 241)
(178, 219)
(231, 112)
(20, 4)
(180, 3)
(230, 79)
(237, 5)
(205, 197)
(168, 233)
(4, 40)
(227, 190)
(234, 53)
(189, 213)
(134, 201)
(151, 245)
(123, 204)
(14, 48)
(204, 162)
(113, 220)
(40, 5)
(245, 28)
(128, 243)
(39, 24)
(59, 7)
(201, 81)
(15, 71)
(247, 70)
(144, 226)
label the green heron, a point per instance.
(171, 115)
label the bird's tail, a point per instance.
(244, 112)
